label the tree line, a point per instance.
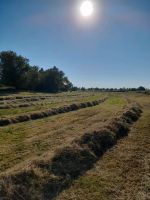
(15, 71)
(138, 89)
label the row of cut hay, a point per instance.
(50, 112)
(29, 98)
(4, 104)
(83, 152)
(28, 101)
(21, 105)
(23, 100)
(38, 97)
(46, 179)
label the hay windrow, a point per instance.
(22, 105)
(98, 142)
(68, 163)
(32, 98)
(46, 113)
(36, 97)
(72, 161)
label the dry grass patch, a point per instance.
(46, 113)
(24, 141)
(67, 164)
(23, 106)
(123, 173)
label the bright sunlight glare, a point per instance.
(86, 8)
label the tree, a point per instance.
(54, 80)
(13, 69)
(32, 78)
(141, 88)
(83, 89)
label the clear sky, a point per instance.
(109, 49)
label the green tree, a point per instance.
(13, 69)
(32, 78)
(53, 80)
(141, 88)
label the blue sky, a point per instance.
(109, 49)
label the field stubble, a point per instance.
(33, 144)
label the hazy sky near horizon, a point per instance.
(109, 49)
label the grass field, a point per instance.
(35, 102)
(124, 171)
(121, 173)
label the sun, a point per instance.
(86, 8)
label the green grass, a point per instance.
(51, 103)
(123, 172)
(24, 141)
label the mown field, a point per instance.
(39, 158)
